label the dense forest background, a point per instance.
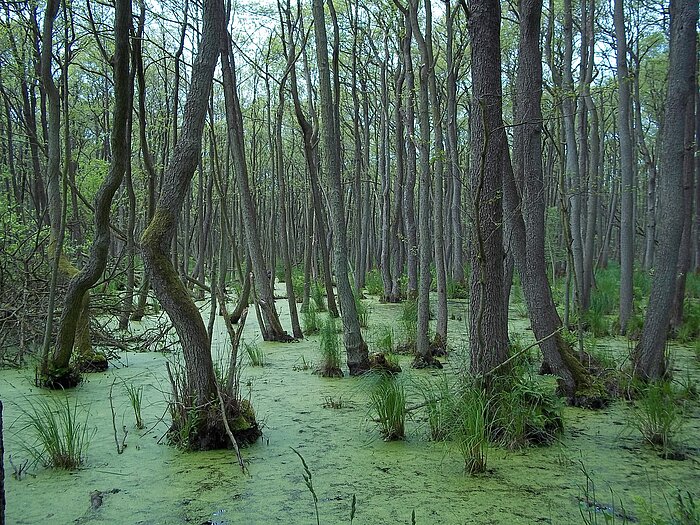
(421, 151)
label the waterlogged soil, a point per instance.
(327, 422)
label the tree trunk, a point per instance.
(488, 323)
(356, 348)
(649, 360)
(157, 237)
(272, 328)
(627, 177)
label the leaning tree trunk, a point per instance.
(271, 328)
(488, 324)
(648, 357)
(356, 348)
(57, 372)
(157, 237)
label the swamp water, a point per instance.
(153, 483)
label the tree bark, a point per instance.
(648, 358)
(488, 325)
(157, 237)
(356, 348)
(627, 176)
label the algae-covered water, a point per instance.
(153, 483)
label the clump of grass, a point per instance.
(470, 428)
(61, 433)
(310, 320)
(255, 353)
(373, 283)
(409, 322)
(387, 404)
(384, 339)
(135, 395)
(689, 331)
(527, 412)
(318, 295)
(657, 416)
(456, 289)
(439, 406)
(330, 350)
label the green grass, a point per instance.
(255, 353)
(362, 310)
(330, 350)
(387, 405)
(384, 339)
(60, 431)
(318, 296)
(409, 321)
(373, 283)
(470, 428)
(135, 395)
(310, 320)
(657, 416)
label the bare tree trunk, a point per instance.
(57, 372)
(627, 176)
(272, 328)
(488, 323)
(649, 355)
(684, 250)
(356, 348)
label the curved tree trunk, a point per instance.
(57, 372)
(157, 237)
(648, 358)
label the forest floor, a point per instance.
(153, 483)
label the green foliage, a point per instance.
(470, 428)
(362, 310)
(310, 320)
(373, 283)
(318, 295)
(61, 435)
(330, 349)
(456, 290)
(255, 353)
(409, 321)
(689, 331)
(527, 412)
(439, 403)
(298, 282)
(135, 395)
(656, 415)
(384, 339)
(387, 405)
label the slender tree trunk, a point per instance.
(356, 348)
(627, 177)
(157, 237)
(649, 355)
(272, 328)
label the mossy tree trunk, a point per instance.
(157, 238)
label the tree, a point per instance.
(648, 358)
(627, 188)
(56, 371)
(488, 327)
(157, 238)
(355, 346)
